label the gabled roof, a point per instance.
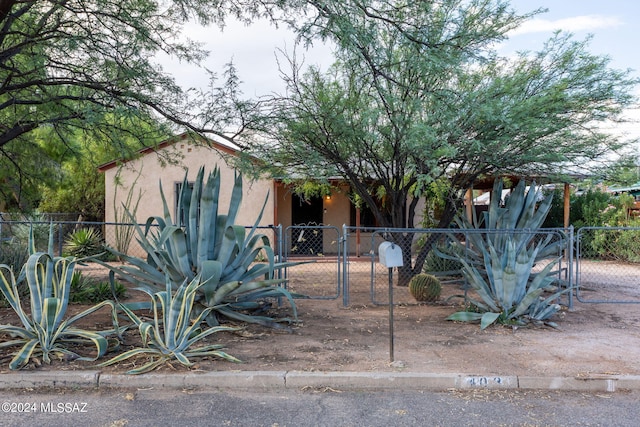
(217, 143)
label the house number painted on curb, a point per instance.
(485, 381)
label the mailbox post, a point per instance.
(390, 255)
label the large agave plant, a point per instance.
(203, 243)
(498, 262)
(173, 331)
(45, 331)
(516, 221)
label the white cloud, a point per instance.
(576, 23)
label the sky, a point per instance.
(613, 24)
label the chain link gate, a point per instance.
(608, 265)
(320, 246)
(447, 270)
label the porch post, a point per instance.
(468, 201)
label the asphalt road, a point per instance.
(313, 407)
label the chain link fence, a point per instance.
(14, 235)
(432, 251)
(602, 263)
(318, 246)
(608, 265)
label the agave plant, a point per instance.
(83, 243)
(498, 262)
(44, 330)
(203, 243)
(174, 330)
(523, 212)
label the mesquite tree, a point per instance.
(418, 93)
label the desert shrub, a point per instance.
(37, 226)
(173, 330)
(619, 244)
(86, 290)
(443, 258)
(13, 253)
(101, 291)
(83, 243)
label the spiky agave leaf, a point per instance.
(202, 241)
(174, 330)
(44, 330)
(497, 263)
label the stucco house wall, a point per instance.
(149, 169)
(147, 172)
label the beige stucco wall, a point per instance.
(146, 173)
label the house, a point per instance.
(283, 207)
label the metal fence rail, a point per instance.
(120, 236)
(601, 263)
(447, 270)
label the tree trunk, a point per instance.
(405, 240)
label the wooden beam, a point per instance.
(468, 201)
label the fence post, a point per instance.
(570, 266)
(345, 265)
(277, 231)
(60, 238)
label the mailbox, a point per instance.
(390, 255)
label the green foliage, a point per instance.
(13, 253)
(205, 243)
(79, 188)
(620, 244)
(308, 189)
(102, 291)
(555, 217)
(442, 258)
(24, 170)
(625, 171)
(85, 290)
(419, 94)
(435, 194)
(498, 263)
(44, 331)
(425, 287)
(83, 243)
(35, 229)
(596, 208)
(592, 209)
(175, 328)
(92, 77)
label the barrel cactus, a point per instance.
(425, 287)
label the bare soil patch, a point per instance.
(592, 339)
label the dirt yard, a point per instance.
(592, 339)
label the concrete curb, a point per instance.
(255, 380)
(39, 379)
(299, 380)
